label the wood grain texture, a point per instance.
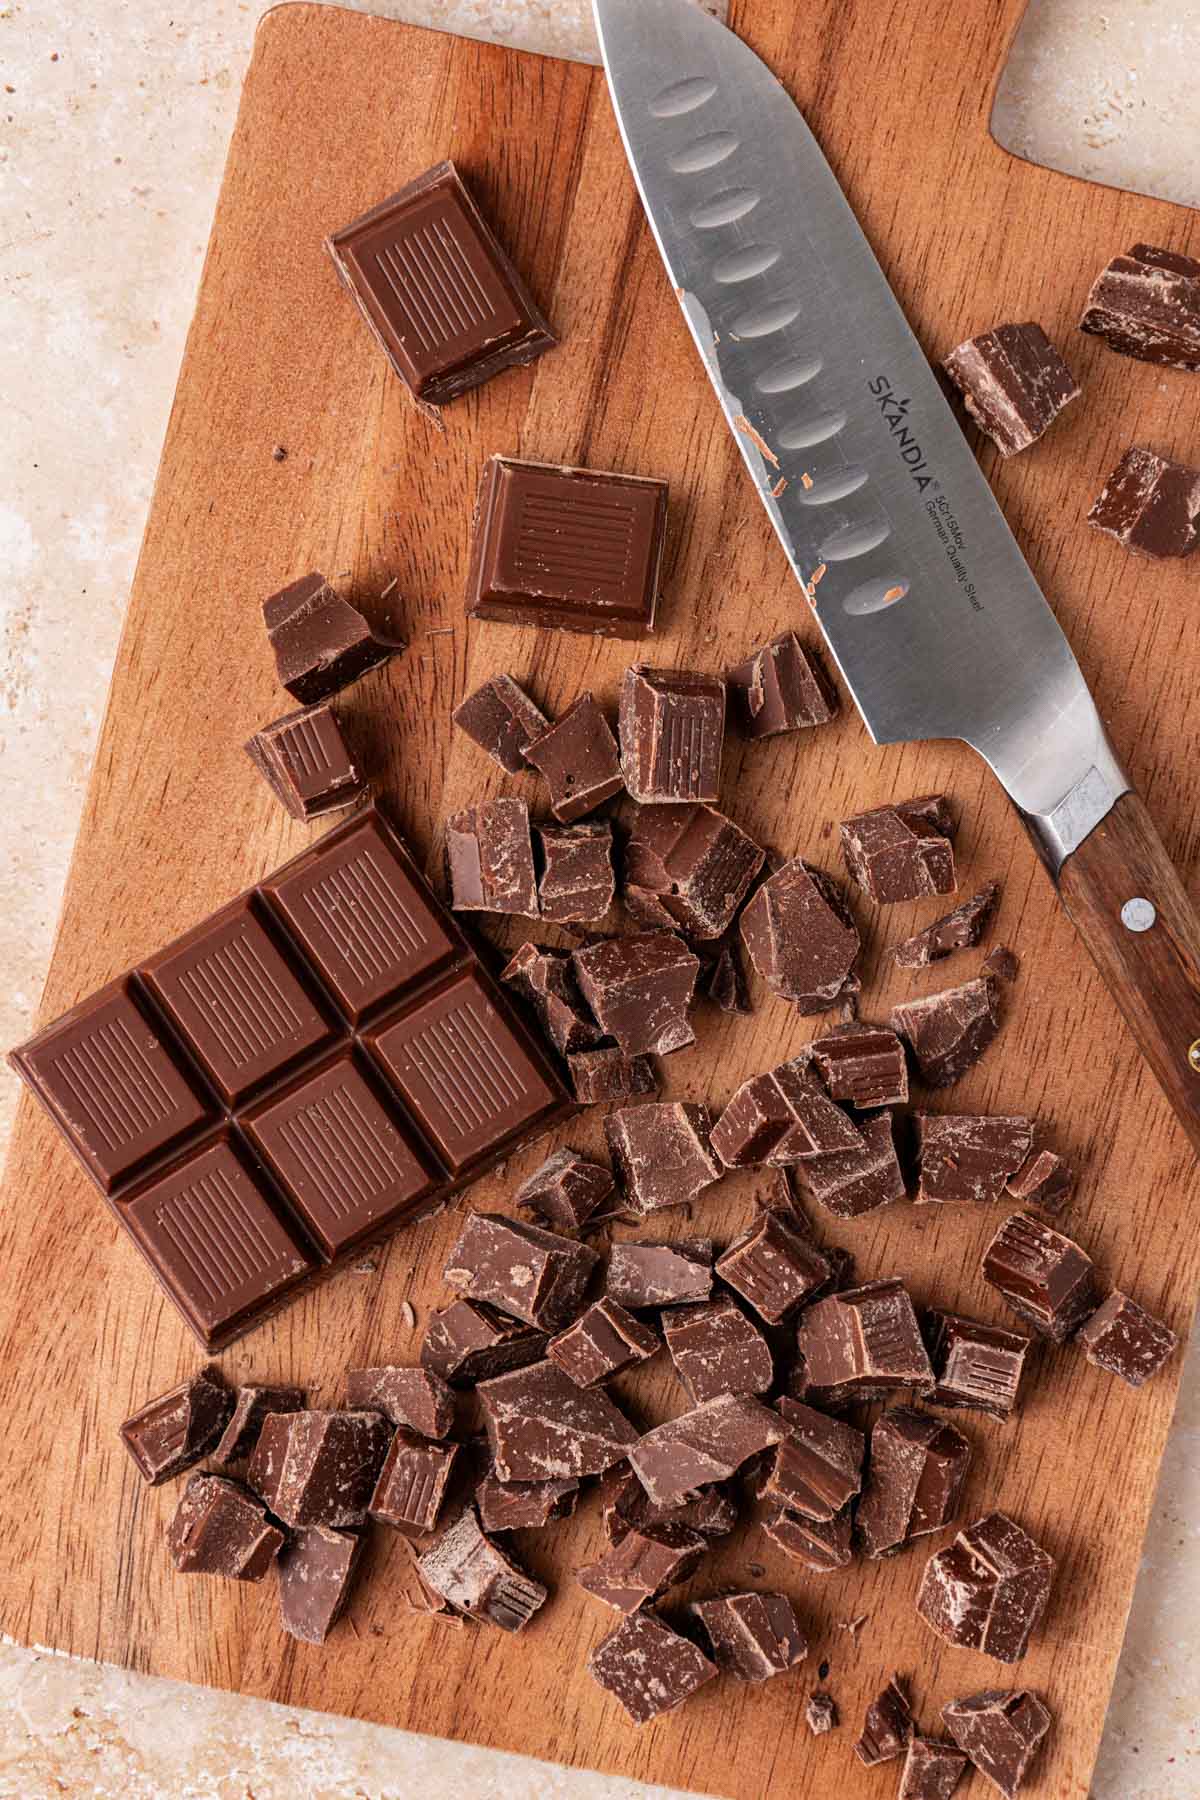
(339, 110)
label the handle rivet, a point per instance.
(1138, 915)
(1194, 1056)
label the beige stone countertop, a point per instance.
(116, 116)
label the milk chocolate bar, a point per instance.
(219, 1528)
(477, 1578)
(1002, 962)
(672, 730)
(988, 1589)
(640, 989)
(1045, 1277)
(1125, 1339)
(752, 1636)
(801, 938)
(1014, 383)
(1147, 304)
(967, 1157)
(644, 1275)
(1000, 1732)
(958, 930)
(648, 1668)
(716, 1350)
(546, 979)
(780, 687)
(541, 1427)
(887, 1727)
(168, 1435)
(603, 1342)
(489, 859)
(950, 1031)
(503, 720)
(975, 1366)
(305, 761)
(566, 1191)
(577, 883)
(697, 864)
(901, 852)
(316, 1572)
(1151, 505)
(321, 642)
(723, 980)
(578, 759)
(663, 1153)
(914, 1484)
(644, 1564)
(854, 1182)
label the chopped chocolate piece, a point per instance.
(577, 883)
(304, 760)
(801, 937)
(716, 1350)
(533, 1274)
(1002, 962)
(1125, 1339)
(647, 908)
(547, 980)
(571, 548)
(648, 1668)
(219, 1528)
(1014, 384)
(967, 1157)
(862, 1066)
(901, 852)
(541, 1427)
(887, 1727)
(251, 1406)
(648, 1560)
(316, 1570)
(724, 981)
(950, 1031)
(712, 1511)
(932, 1770)
(959, 930)
(321, 642)
(476, 1577)
(566, 1191)
(502, 719)
(857, 1181)
(579, 760)
(1045, 1277)
(774, 1266)
(524, 1505)
(976, 1366)
(1147, 304)
(781, 1118)
(662, 1153)
(862, 1344)
(695, 863)
(672, 731)
(820, 1714)
(1043, 1180)
(753, 1636)
(168, 1435)
(988, 1589)
(603, 1342)
(707, 1444)
(1150, 504)
(417, 1398)
(319, 1468)
(780, 687)
(601, 1076)
(440, 296)
(640, 989)
(412, 1482)
(489, 859)
(914, 1482)
(642, 1275)
(817, 1469)
(467, 1342)
(822, 1545)
(1000, 1732)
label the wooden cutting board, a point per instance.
(339, 110)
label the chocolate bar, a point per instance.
(966, 1157)
(950, 1031)
(577, 883)
(914, 1484)
(697, 864)
(476, 1577)
(858, 1181)
(566, 1191)
(774, 1266)
(801, 938)
(319, 1468)
(932, 1770)
(442, 299)
(644, 1564)
(716, 1350)
(988, 1589)
(901, 852)
(887, 1727)
(976, 1366)
(251, 1407)
(817, 1469)
(640, 989)
(304, 759)
(541, 1427)
(644, 1275)
(219, 1528)
(1044, 1180)
(316, 1572)
(546, 979)
(958, 930)
(781, 1118)
(599, 1077)
(578, 759)
(862, 1344)
(648, 1668)
(489, 859)
(1045, 1277)
(662, 1153)
(780, 687)
(416, 1398)
(1151, 505)
(412, 1483)
(672, 730)
(524, 1505)
(708, 1444)
(862, 1066)
(603, 1342)
(527, 1272)
(822, 1545)
(468, 1342)
(1000, 1732)
(502, 719)
(1147, 304)
(752, 1636)
(321, 642)
(168, 1435)
(1014, 383)
(1125, 1339)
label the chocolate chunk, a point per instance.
(1125, 1339)
(801, 938)
(774, 1266)
(251, 1406)
(959, 930)
(716, 1350)
(950, 1031)
(862, 1344)
(781, 1118)
(316, 1571)
(642, 1275)
(724, 981)
(489, 859)
(577, 883)
(502, 719)
(915, 1480)
(820, 1714)
(319, 1468)
(541, 1427)
(219, 1528)
(440, 296)
(780, 687)
(662, 1153)
(417, 1398)
(534, 1274)
(822, 1545)
(579, 760)
(626, 1506)
(887, 1727)
(566, 1190)
(412, 1482)
(321, 642)
(988, 1589)
(524, 1505)
(1043, 1180)
(672, 731)
(817, 1469)
(1150, 504)
(975, 1366)
(966, 1157)
(648, 1668)
(901, 852)
(647, 1561)
(547, 980)
(168, 1435)
(697, 864)
(1147, 304)
(1014, 383)
(862, 1066)
(752, 1636)
(1045, 1277)
(1000, 1732)
(603, 1342)
(932, 1770)
(476, 1577)
(304, 760)
(708, 1444)
(601, 1076)
(857, 1181)
(640, 989)
(468, 1342)
(1002, 962)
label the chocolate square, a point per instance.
(305, 761)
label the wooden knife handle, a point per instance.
(1130, 908)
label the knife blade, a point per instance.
(930, 610)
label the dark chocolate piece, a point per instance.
(752, 1636)
(412, 1483)
(863, 1066)
(1044, 1180)
(1000, 1732)
(524, 1505)
(967, 1157)
(959, 930)
(304, 760)
(988, 1589)
(648, 1668)
(774, 1266)
(662, 1153)
(541, 1427)
(914, 1484)
(1014, 383)
(1045, 1277)
(820, 1714)
(780, 687)
(887, 1727)
(672, 731)
(641, 1275)
(168, 1435)
(857, 1181)
(578, 759)
(1151, 505)
(468, 1342)
(626, 1506)
(862, 1344)
(697, 864)
(1125, 1339)
(817, 1469)
(321, 642)
(442, 299)
(801, 938)
(319, 1468)
(572, 548)
(950, 1031)
(975, 1366)
(1147, 304)
(640, 989)
(603, 1342)
(716, 1350)
(822, 1545)
(534, 1274)
(547, 980)
(577, 883)
(602, 1076)
(316, 1572)
(901, 852)
(502, 719)
(708, 1444)
(932, 1770)
(219, 1528)
(476, 1577)
(724, 981)
(566, 1190)
(417, 1398)
(648, 1560)
(1002, 962)
(251, 1406)
(489, 859)
(782, 1117)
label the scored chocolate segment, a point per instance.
(169, 1434)
(1045, 1277)
(975, 1366)
(672, 730)
(304, 759)
(862, 1344)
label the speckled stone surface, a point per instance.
(114, 120)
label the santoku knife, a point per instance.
(930, 609)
